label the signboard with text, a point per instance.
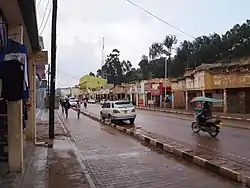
(41, 58)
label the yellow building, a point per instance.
(88, 82)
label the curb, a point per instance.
(189, 113)
(219, 167)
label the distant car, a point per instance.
(91, 101)
(118, 111)
(73, 102)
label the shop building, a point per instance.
(20, 19)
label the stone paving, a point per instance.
(115, 160)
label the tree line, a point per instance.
(214, 48)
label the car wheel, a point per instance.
(131, 121)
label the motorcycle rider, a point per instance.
(205, 114)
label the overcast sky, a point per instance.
(82, 24)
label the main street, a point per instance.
(231, 143)
(113, 159)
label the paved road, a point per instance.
(116, 160)
(231, 142)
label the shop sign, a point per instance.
(41, 58)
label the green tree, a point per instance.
(92, 74)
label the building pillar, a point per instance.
(225, 100)
(136, 99)
(173, 100)
(15, 123)
(203, 93)
(15, 136)
(144, 99)
(30, 135)
(186, 99)
(161, 101)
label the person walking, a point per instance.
(78, 109)
(67, 107)
(62, 102)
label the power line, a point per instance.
(67, 75)
(44, 14)
(158, 18)
(46, 21)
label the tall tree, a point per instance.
(92, 74)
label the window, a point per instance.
(123, 105)
(107, 105)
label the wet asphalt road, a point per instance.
(116, 160)
(231, 142)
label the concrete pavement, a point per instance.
(53, 167)
(115, 160)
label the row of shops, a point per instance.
(20, 50)
(211, 80)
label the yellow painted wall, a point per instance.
(90, 82)
(208, 81)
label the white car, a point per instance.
(91, 101)
(118, 110)
(72, 102)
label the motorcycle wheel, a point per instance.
(214, 131)
(195, 127)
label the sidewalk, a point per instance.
(229, 116)
(50, 167)
(115, 160)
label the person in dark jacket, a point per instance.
(206, 113)
(67, 107)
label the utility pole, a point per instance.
(165, 79)
(48, 79)
(53, 74)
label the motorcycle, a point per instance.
(211, 126)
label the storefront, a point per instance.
(17, 78)
(157, 91)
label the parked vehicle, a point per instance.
(91, 101)
(73, 102)
(212, 125)
(118, 111)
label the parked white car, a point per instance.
(118, 110)
(72, 102)
(91, 101)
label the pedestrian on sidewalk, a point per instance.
(62, 105)
(78, 109)
(67, 107)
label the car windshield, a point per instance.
(123, 105)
